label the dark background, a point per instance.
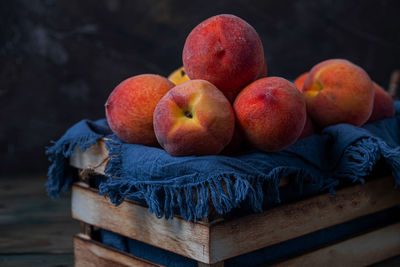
(59, 60)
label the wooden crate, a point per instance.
(212, 241)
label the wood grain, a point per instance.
(31, 222)
(41, 234)
(218, 264)
(217, 241)
(94, 159)
(134, 221)
(46, 237)
(37, 259)
(90, 253)
(362, 250)
(246, 234)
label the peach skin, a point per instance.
(309, 128)
(226, 51)
(236, 145)
(299, 82)
(383, 105)
(194, 118)
(338, 91)
(271, 112)
(263, 73)
(130, 107)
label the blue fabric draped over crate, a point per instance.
(188, 184)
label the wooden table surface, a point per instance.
(36, 230)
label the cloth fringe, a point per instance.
(227, 191)
(361, 157)
(224, 191)
(59, 175)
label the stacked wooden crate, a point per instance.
(214, 240)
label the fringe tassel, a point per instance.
(392, 158)
(358, 160)
(59, 176)
(361, 157)
(224, 191)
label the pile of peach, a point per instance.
(222, 96)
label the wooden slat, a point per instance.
(134, 221)
(94, 159)
(249, 233)
(88, 253)
(217, 241)
(226, 239)
(362, 250)
(218, 264)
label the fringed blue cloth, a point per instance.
(190, 185)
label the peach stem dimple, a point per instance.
(188, 114)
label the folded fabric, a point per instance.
(191, 184)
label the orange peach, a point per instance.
(130, 107)
(271, 113)
(299, 82)
(383, 105)
(178, 76)
(226, 51)
(338, 91)
(194, 118)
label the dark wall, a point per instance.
(59, 60)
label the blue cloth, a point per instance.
(191, 184)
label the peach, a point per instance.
(271, 113)
(130, 107)
(178, 76)
(299, 82)
(338, 91)
(263, 72)
(236, 145)
(194, 118)
(383, 105)
(226, 51)
(308, 129)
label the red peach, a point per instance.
(226, 51)
(263, 73)
(308, 130)
(130, 107)
(299, 82)
(271, 113)
(194, 118)
(236, 145)
(383, 105)
(338, 91)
